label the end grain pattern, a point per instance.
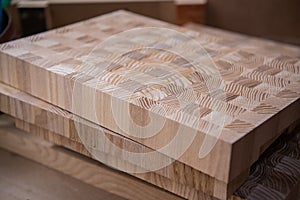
(261, 88)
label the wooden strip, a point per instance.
(52, 71)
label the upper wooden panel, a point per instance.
(251, 92)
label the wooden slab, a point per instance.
(275, 174)
(180, 189)
(262, 90)
(58, 126)
(89, 172)
(41, 114)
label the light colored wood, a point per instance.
(280, 160)
(268, 82)
(21, 178)
(89, 172)
(180, 189)
(23, 103)
(57, 126)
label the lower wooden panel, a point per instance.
(60, 122)
(151, 177)
(78, 167)
(276, 175)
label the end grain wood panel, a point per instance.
(259, 88)
(61, 130)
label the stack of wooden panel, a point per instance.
(259, 98)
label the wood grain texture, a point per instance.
(275, 175)
(20, 178)
(180, 189)
(92, 173)
(261, 87)
(57, 126)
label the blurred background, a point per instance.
(273, 19)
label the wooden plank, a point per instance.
(181, 189)
(60, 139)
(262, 91)
(275, 173)
(61, 130)
(91, 173)
(20, 178)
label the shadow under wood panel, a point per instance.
(276, 175)
(21, 178)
